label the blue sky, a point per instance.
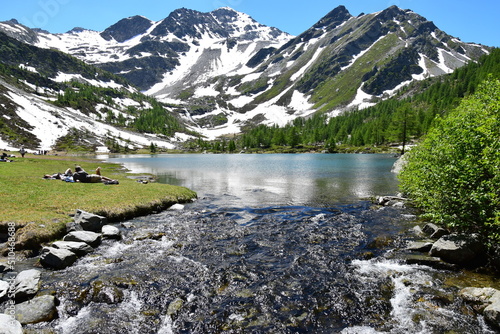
(471, 21)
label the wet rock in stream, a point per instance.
(466, 250)
(486, 301)
(86, 221)
(36, 310)
(102, 292)
(79, 248)
(57, 258)
(27, 284)
(111, 232)
(93, 239)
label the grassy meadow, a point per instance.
(41, 208)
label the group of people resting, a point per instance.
(80, 175)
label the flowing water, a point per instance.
(274, 244)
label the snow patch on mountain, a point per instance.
(28, 68)
(311, 62)
(273, 114)
(208, 58)
(241, 101)
(300, 102)
(251, 77)
(66, 77)
(206, 91)
(46, 120)
(442, 61)
(360, 54)
(422, 64)
(15, 29)
(362, 100)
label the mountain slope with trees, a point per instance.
(72, 105)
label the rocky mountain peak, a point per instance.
(334, 18)
(406, 17)
(242, 26)
(391, 13)
(328, 23)
(225, 14)
(188, 23)
(18, 31)
(76, 30)
(127, 28)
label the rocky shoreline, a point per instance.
(459, 251)
(436, 247)
(20, 291)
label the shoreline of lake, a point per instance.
(40, 208)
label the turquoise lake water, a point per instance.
(273, 179)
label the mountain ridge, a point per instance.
(226, 72)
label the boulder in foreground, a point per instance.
(56, 258)
(464, 250)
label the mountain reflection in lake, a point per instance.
(275, 244)
(273, 179)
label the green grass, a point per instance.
(342, 88)
(41, 208)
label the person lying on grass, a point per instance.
(5, 157)
(67, 176)
(80, 175)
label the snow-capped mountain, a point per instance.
(146, 52)
(227, 71)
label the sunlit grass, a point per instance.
(26, 197)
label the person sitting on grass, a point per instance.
(80, 175)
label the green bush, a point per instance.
(454, 174)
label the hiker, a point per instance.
(80, 175)
(22, 151)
